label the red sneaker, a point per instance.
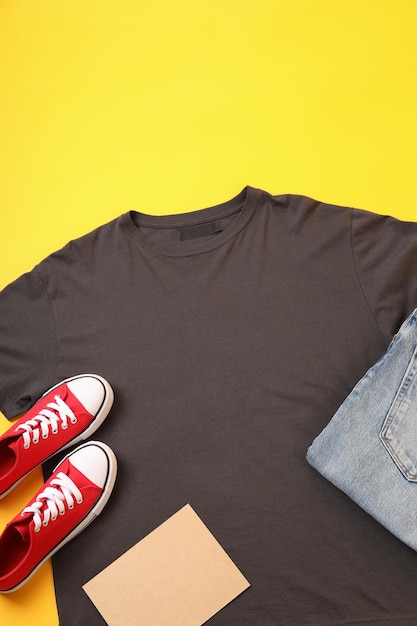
(65, 415)
(70, 500)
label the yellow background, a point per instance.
(167, 106)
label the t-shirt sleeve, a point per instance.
(385, 255)
(27, 344)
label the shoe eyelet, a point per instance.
(26, 447)
(45, 436)
(70, 506)
(44, 523)
(74, 421)
(55, 431)
(53, 519)
(62, 513)
(64, 426)
(80, 501)
(37, 530)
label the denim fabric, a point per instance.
(369, 448)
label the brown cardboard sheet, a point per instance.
(178, 575)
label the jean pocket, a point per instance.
(399, 430)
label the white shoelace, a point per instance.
(55, 414)
(53, 497)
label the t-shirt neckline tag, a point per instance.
(199, 230)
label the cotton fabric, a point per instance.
(230, 336)
(369, 447)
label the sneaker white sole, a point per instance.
(101, 413)
(95, 510)
(95, 424)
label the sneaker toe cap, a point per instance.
(90, 391)
(93, 459)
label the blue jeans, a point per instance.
(369, 448)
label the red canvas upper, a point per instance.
(15, 460)
(22, 548)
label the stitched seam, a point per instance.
(356, 268)
(45, 286)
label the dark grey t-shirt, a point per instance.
(230, 336)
